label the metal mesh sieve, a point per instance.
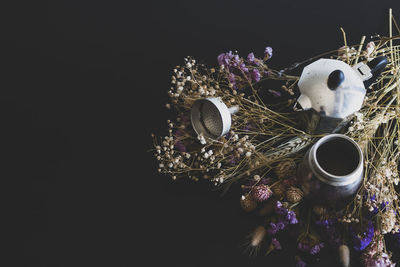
(210, 118)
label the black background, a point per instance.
(84, 84)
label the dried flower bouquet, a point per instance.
(266, 142)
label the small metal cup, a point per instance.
(332, 170)
(211, 117)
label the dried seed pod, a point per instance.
(279, 190)
(258, 235)
(248, 203)
(286, 169)
(294, 194)
(344, 255)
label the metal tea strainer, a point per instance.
(211, 117)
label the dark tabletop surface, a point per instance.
(84, 84)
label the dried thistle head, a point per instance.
(294, 194)
(248, 203)
(286, 168)
(279, 190)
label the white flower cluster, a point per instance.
(358, 123)
(384, 195)
(349, 218)
(239, 146)
(388, 222)
(170, 160)
(346, 52)
(189, 81)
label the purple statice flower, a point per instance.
(375, 211)
(279, 209)
(180, 146)
(224, 59)
(221, 59)
(251, 57)
(276, 244)
(228, 60)
(306, 246)
(285, 218)
(316, 248)
(255, 75)
(253, 60)
(291, 217)
(276, 227)
(235, 61)
(244, 68)
(237, 66)
(273, 228)
(232, 80)
(281, 225)
(329, 231)
(268, 52)
(360, 242)
(300, 262)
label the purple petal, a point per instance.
(268, 51)
(255, 75)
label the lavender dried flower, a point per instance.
(329, 231)
(309, 245)
(250, 57)
(276, 244)
(267, 53)
(255, 75)
(299, 262)
(361, 241)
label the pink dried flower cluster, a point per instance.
(374, 255)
